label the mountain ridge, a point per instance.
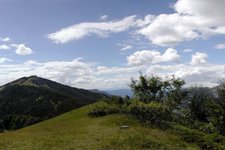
(40, 98)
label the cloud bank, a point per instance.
(89, 75)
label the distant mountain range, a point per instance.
(124, 92)
(33, 99)
(120, 92)
(101, 92)
(128, 92)
(117, 92)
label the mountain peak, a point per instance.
(39, 97)
(27, 81)
(33, 76)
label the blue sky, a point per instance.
(102, 44)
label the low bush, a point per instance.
(13, 122)
(204, 141)
(153, 112)
(103, 109)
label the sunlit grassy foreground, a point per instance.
(75, 130)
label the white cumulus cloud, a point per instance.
(153, 57)
(3, 59)
(104, 17)
(208, 12)
(4, 47)
(191, 20)
(220, 46)
(6, 39)
(22, 49)
(199, 58)
(168, 30)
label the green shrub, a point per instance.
(103, 109)
(154, 88)
(204, 141)
(153, 112)
(13, 122)
(183, 116)
(215, 137)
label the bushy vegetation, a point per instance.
(196, 113)
(103, 109)
(153, 102)
(218, 111)
(204, 141)
(153, 112)
(154, 88)
(13, 122)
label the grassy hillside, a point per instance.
(75, 130)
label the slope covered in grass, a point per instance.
(75, 130)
